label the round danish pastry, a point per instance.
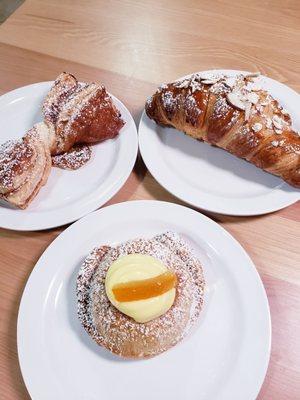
(141, 297)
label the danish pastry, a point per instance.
(142, 323)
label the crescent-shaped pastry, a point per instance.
(233, 113)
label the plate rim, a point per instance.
(36, 271)
(260, 209)
(40, 224)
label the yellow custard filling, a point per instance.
(142, 277)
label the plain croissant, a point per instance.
(233, 113)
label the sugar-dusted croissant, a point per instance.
(233, 113)
(25, 166)
(79, 113)
(73, 113)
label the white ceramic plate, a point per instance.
(226, 357)
(68, 195)
(210, 178)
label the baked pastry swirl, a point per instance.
(118, 332)
(233, 113)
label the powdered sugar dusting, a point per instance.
(192, 106)
(64, 87)
(192, 83)
(71, 107)
(118, 332)
(14, 160)
(229, 107)
(75, 158)
(168, 99)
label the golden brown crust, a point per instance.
(79, 113)
(119, 333)
(64, 86)
(234, 114)
(17, 157)
(36, 175)
(73, 113)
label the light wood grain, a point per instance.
(131, 46)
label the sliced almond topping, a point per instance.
(278, 122)
(217, 88)
(252, 75)
(256, 88)
(209, 76)
(182, 84)
(285, 112)
(209, 81)
(259, 108)
(230, 82)
(195, 85)
(234, 99)
(247, 111)
(257, 127)
(253, 98)
(268, 123)
(252, 87)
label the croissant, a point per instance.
(24, 166)
(79, 113)
(233, 113)
(74, 113)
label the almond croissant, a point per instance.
(233, 113)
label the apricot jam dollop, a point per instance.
(140, 286)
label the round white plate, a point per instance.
(68, 195)
(226, 356)
(210, 178)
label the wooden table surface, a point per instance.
(131, 46)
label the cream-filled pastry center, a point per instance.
(140, 286)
